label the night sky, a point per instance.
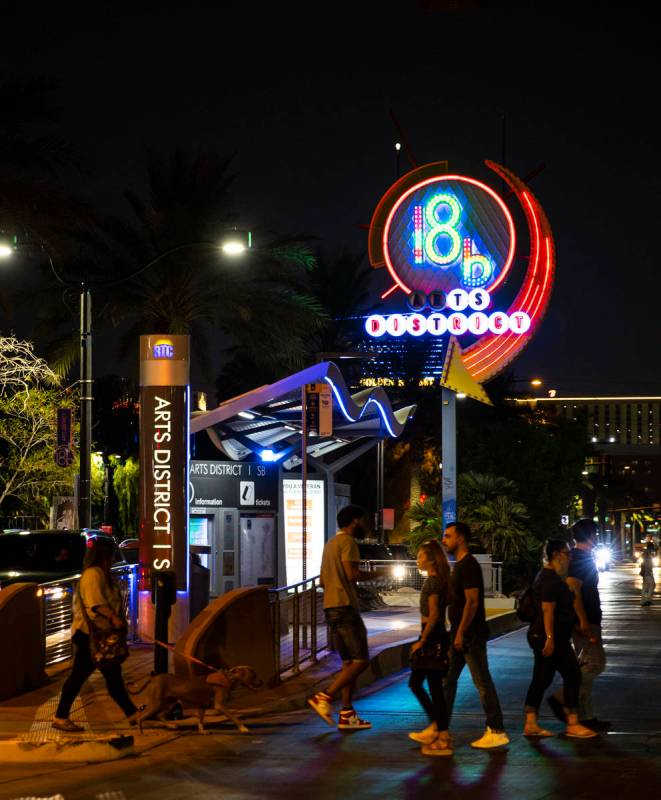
(303, 94)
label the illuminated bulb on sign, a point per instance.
(416, 324)
(457, 299)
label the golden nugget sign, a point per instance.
(164, 368)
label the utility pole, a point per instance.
(449, 455)
(86, 389)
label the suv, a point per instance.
(43, 556)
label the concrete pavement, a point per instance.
(295, 755)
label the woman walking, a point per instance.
(99, 601)
(434, 598)
(549, 636)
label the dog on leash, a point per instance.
(196, 692)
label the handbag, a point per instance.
(108, 646)
(432, 658)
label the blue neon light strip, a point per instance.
(348, 416)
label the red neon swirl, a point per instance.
(491, 353)
(498, 343)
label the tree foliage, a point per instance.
(126, 484)
(29, 399)
(427, 518)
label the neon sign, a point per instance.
(163, 348)
(448, 243)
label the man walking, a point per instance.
(583, 580)
(469, 633)
(647, 574)
(339, 573)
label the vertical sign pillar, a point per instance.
(163, 501)
(449, 455)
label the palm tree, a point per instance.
(259, 303)
(340, 284)
(475, 489)
(427, 514)
(500, 524)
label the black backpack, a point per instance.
(525, 605)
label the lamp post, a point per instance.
(235, 242)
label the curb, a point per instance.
(387, 661)
(20, 751)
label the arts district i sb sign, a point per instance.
(453, 253)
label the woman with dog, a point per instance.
(432, 645)
(99, 601)
(549, 636)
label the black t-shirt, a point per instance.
(467, 574)
(548, 587)
(434, 585)
(583, 568)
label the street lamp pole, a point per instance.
(235, 243)
(86, 397)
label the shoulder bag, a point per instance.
(432, 658)
(108, 646)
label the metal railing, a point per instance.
(57, 610)
(300, 632)
(406, 575)
(299, 626)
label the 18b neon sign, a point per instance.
(437, 240)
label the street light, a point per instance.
(234, 242)
(7, 246)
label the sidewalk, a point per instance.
(26, 735)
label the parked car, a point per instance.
(374, 551)
(401, 552)
(130, 550)
(43, 556)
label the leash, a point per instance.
(180, 655)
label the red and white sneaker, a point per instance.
(321, 702)
(350, 721)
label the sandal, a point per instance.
(580, 732)
(439, 747)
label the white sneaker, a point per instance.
(350, 721)
(491, 739)
(321, 703)
(425, 737)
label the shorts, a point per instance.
(348, 633)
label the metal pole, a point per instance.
(86, 389)
(380, 454)
(304, 481)
(313, 619)
(449, 455)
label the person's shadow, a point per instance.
(450, 777)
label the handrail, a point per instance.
(294, 585)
